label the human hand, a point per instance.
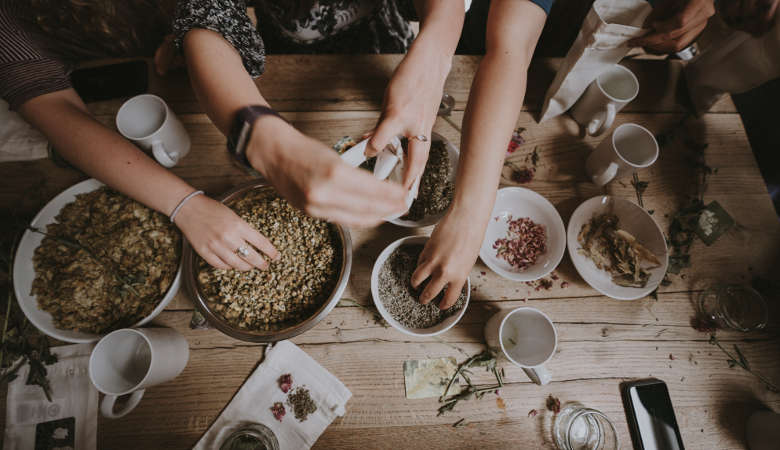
(313, 178)
(754, 16)
(410, 106)
(675, 24)
(216, 233)
(448, 257)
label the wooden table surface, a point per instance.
(601, 341)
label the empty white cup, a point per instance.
(526, 337)
(604, 98)
(149, 122)
(630, 147)
(129, 360)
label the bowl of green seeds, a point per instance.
(398, 302)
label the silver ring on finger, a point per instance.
(242, 251)
(420, 137)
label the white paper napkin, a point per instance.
(261, 390)
(19, 141)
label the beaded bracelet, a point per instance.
(182, 202)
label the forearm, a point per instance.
(441, 22)
(102, 153)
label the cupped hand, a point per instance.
(754, 16)
(215, 232)
(314, 179)
(410, 106)
(448, 257)
(675, 25)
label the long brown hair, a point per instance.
(100, 28)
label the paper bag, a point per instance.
(601, 43)
(733, 62)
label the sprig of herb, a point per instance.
(739, 360)
(485, 359)
(640, 187)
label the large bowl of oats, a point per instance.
(93, 261)
(294, 293)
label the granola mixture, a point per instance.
(436, 187)
(401, 300)
(105, 263)
(291, 288)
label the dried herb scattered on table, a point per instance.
(553, 404)
(640, 187)
(516, 140)
(301, 403)
(436, 187)
(739, 360)
(401, 300)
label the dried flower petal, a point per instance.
(285, 382)
(525, 241)
(533, 413)
(278, 411)
(553, 404)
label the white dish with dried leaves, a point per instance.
(635, 238)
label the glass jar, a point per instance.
(251, 436)
(579, 428)
(735, 306)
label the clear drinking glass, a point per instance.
(736, 306)
(251, 436)
(579, 428)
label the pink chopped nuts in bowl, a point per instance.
(525, 239)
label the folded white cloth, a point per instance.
(261, 390)
(19, 141)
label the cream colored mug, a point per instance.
(604, 98)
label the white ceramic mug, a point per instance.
(630, 147)
(149, 122)
(526, 337)
(129, 360)
(604, 98)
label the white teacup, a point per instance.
(149, 122)
(630, 147)
(605, 97)
(526, 337)
(129, 360)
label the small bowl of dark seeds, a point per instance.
(437, 186)
(398, 302)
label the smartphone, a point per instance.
(650, 415)
(111, 81)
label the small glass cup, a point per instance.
(736, 306)
(579, 428)
(251, 436)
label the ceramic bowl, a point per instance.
(24, 271)
(633, 219)
(437, 329)
(520, 202)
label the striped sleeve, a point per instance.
(26, 71)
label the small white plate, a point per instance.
(24, 271)
(633, 219)
(454, 155)
(439, 328)
(521, 202)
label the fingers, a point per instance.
(433, 288)
(261, 243)
(692, 15)
(452, 294)
(415, 165)
(214, 260)
(233, 260)
(421, 274)
(385, 131)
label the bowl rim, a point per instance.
(571, 241)
(380, 261)
(189, 280)
(435, 218)
(28, 302)
(559, 225)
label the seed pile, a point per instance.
(301, 403)
(525, 241)
(436, 187)
(105, 263)
(401, 300)
(291, 288)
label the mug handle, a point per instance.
(539, 374)
(597, 126)
(162, 156)
(107, 405)
(606, 175)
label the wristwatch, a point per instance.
(241, 130)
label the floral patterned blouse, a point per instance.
(329, 26)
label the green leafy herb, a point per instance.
(485, 359)
(739, 360)
(459, 423)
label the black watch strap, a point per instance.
(241, 130)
